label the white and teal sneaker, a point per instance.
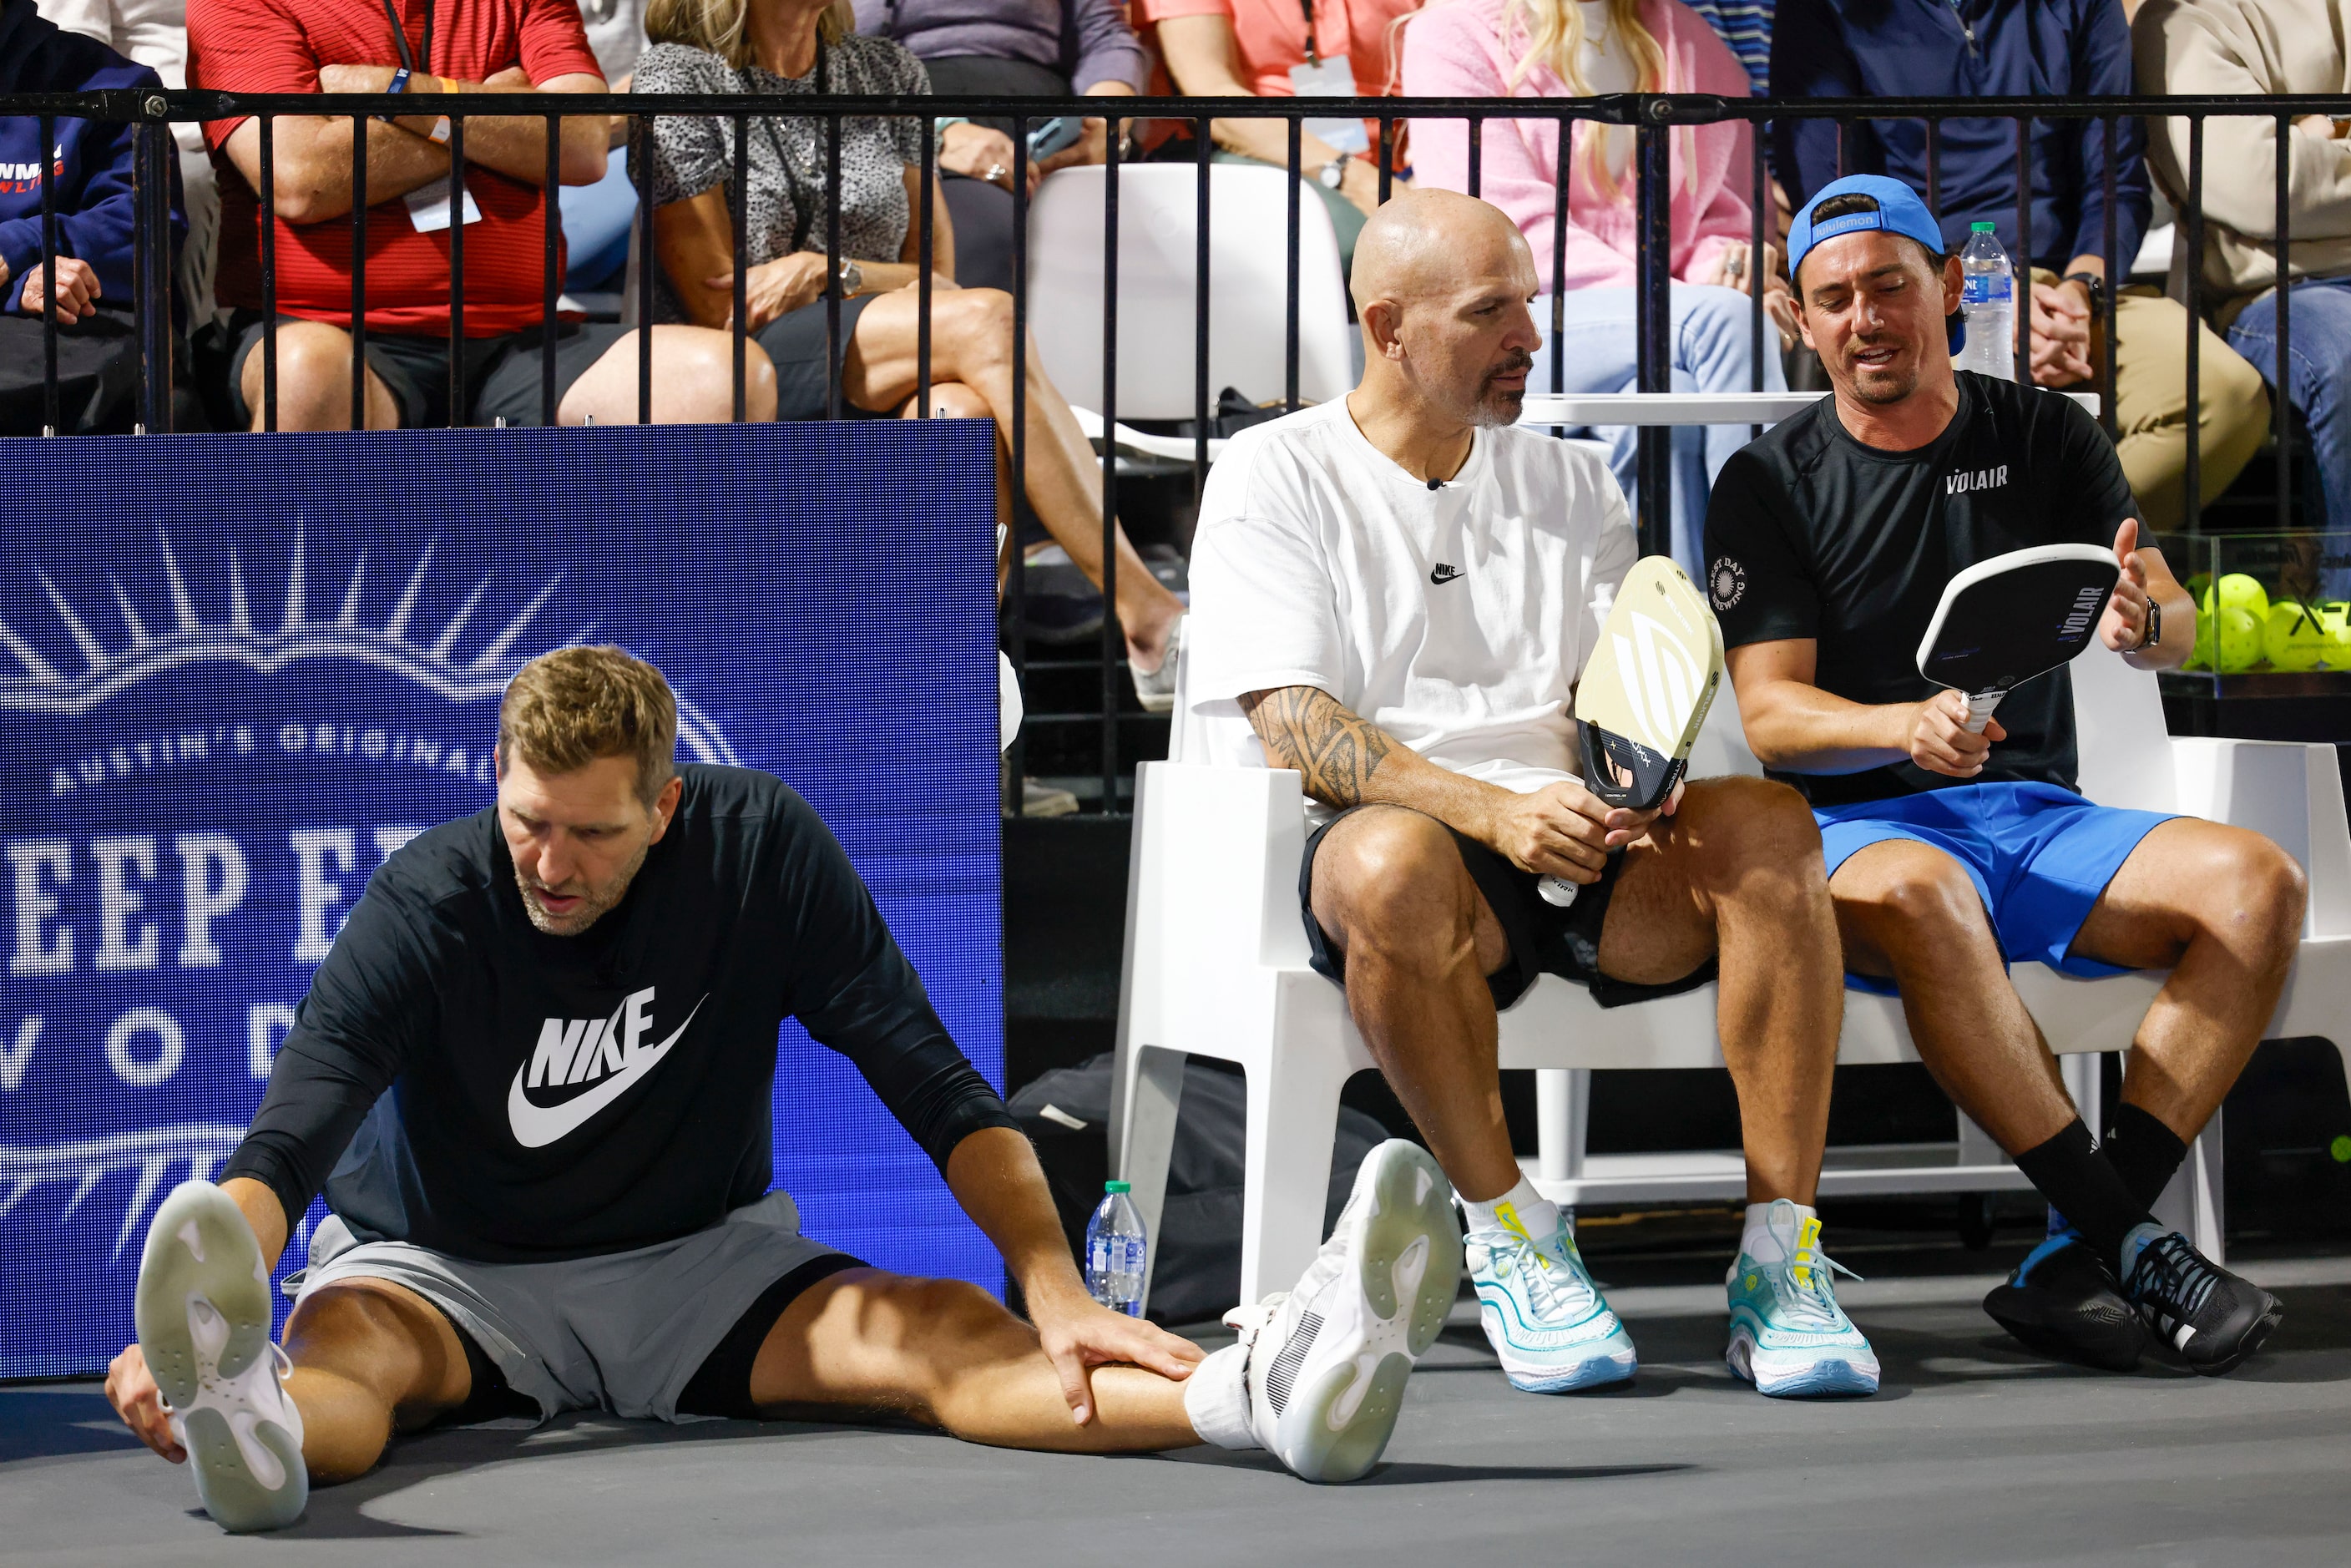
(1788, 1336)
(202, 1309)
(1541, 1311)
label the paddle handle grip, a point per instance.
(1556, 891)
(1979, 708)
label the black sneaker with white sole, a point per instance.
(2211, 1317)
(2062, 1304)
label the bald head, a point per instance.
(1425, 242)
(1441, 283)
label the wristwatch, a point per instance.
(852, 277)
(2095, 284)
(2153, 635)
(1334, 173)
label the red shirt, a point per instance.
(279, 46)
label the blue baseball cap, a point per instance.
(1900, 210)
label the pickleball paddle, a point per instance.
(2004, 621)
(1644, 692)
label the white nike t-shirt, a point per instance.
(1456, 619)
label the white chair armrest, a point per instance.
(2289, 791)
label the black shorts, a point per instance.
(795, 344)
(502, 374)
(1543, 938)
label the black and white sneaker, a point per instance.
(1326, 1362)
(2063, 1304)
(2211, 1317)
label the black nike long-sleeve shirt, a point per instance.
(458, 1079)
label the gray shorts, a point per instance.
(625, 1331)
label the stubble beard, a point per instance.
(1889, 385)
(594, 905)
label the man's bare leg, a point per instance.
(949, 1356)
(371, 1358)
(1736, 873)
(2222, 908)
(1736, 870)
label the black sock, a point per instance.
(2145, 1154)
(2070, 1174)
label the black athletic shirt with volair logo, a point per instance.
(1812, 534)
(486, 1090)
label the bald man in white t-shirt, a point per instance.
(1398, 591)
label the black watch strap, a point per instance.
(2095, 284)
(2153, 635)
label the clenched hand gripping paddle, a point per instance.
(1644, 692)
(2002, 621)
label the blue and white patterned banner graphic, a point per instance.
(237, 672)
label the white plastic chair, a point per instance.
(1216, 966)
(1158, 269)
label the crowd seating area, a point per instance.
(844, 295)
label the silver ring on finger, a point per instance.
(997, 174)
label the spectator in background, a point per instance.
(1746, 27)
(2048, 48)
(89, 279)
(597, 218)
(455, 47)
(1545, 48)
(791, 49)
(1008, 48)
(154, 34)
(1263, 48)
(2267, 48)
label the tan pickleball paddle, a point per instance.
(1644, 692)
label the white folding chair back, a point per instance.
(1158, 270)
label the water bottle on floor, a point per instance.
(1114, 1245)
(1988, 300)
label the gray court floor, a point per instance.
(1972, 1454)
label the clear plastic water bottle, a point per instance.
(1988, 300)
(1114, 1246)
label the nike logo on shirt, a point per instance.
(1441, 574)
(569, 1050)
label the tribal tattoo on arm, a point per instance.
(1309, 729)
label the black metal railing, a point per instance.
(1652, 117)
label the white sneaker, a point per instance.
(1544, 1316)
(1155, 689)
(1326, 1362)
(202, 1310)
(1788, 1336)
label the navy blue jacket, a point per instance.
(91, 174)
(2047, 48)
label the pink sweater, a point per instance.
(1454, 49)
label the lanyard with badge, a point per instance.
(428, 205)
(1319, 78)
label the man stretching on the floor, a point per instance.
(572, 999)
(1399, 589)
(1951, 855)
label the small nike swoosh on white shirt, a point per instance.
(536, 1126)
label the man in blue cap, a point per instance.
(1951, 854)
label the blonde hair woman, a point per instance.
(793, 48)
(1579, 48)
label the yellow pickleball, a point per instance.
(2238, 637)
(2337, 617)
(2293, 636)
(2242, 592)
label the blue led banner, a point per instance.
(238, 671)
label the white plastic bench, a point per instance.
(1216, 966)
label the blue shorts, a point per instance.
(2040, 856)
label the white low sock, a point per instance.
(1521, 1209)
(1762, 1242)
(1216, 1399)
